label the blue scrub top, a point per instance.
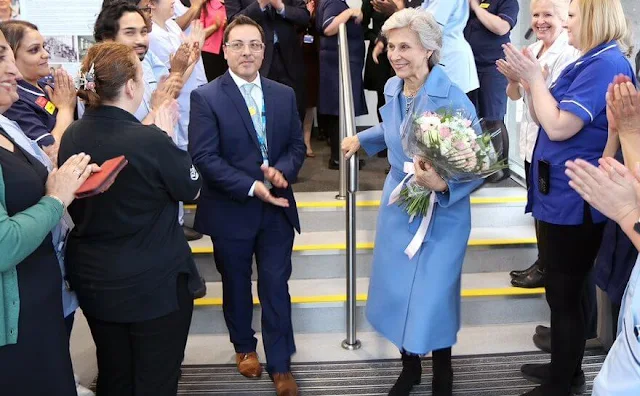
(486, 45)
(580, 89)
(34, 113)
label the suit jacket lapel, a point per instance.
(236, 97)
(270, 109)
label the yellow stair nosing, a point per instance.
(376, 203)
(369, 245)
(362, 297)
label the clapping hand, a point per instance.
(179, 61)
(623, 106)
(64, 181)
(197, 34)
(610, 188)
(277, 5)
(523, 63)
(377, 50)
(386, 7)
(64, 93)
(505, 68)
(426, 176)
(274, 176)
(277, 180)
(167, 116)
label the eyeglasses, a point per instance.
(237, 46)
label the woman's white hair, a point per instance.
(423, 24)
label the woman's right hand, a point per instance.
(64, 181)
(64, 93)
(377, 50)
(350, 146)
(506, 70)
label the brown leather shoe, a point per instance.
(285, 384)
(248, 364)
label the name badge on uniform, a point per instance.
(46, 104)
(308, 39)
(484, 5)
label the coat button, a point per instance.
(11, 331)
(14, 303)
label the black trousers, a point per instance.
(568, 253)
(143, 358)
(278, 72)
(330, 124)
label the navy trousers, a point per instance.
(272, 248)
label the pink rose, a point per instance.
(445, 132)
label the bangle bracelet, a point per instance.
(59, 200)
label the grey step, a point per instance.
(495, 375)
(495, 207)
(492, 251)
(324, 265)
(320, 308)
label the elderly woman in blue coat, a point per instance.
(415, 302)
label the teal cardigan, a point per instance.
(20, 235)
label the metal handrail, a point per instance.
(348, 184)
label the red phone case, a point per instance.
(100, 182)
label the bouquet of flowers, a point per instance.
(454, 144)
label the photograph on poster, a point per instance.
(61, 48)
(84, 43)
(9, 9)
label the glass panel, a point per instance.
(515, 109)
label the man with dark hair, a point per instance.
(281, 20)
(124, 22)
(245, 138)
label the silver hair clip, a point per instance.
(86, 81)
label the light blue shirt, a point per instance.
(456, 56)
(620, 373)
(61, 231)
(257, 96)
(152, 70)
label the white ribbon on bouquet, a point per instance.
(418, 238)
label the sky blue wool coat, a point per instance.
(416, 303)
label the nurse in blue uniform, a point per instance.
(573, 124)
(329, 15)
(42, 113)
(489, 26)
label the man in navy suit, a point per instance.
(245, 137)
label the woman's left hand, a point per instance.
(426, 176)
(611, 188)
(523, 63)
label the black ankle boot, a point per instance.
(411, 375)
(442, 383)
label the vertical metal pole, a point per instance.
(348, 125)
(342, 165)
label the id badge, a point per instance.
(308, 39)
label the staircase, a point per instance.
(496, 317)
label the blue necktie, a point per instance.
(259, 123)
